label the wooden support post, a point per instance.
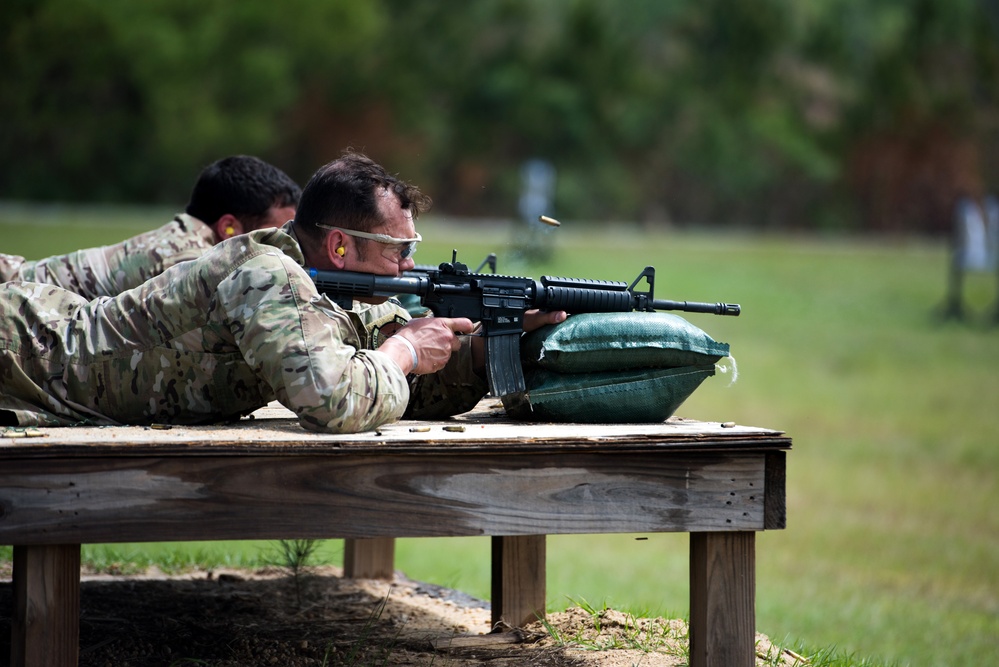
(723, 599)
(371, 558)
(46, 624)
(518, 580)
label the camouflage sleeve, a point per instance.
(110, 270)
(455, 389)
(136, 260)
(308, 350)
(84, 272)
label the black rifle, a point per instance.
(499, 302)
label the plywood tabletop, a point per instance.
(274, 429)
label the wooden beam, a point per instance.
(723, 599)
(208, 497)
(518, 579)
(46, 624)
(774, 502)
(372, 558)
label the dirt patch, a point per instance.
(266, 617)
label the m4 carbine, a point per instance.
(499, 303)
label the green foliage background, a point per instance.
(771, 113)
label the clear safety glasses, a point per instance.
(406, 246)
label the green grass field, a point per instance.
(891, 553)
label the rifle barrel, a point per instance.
(698, 307)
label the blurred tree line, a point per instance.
(772, 113)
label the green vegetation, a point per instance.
(892, 544)
(764, 112)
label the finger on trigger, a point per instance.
(461, 325)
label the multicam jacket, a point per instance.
(110, 270)
(210, 340)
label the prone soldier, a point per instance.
(219, 336)
(234, 195)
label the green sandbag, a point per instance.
(638, 396)
(593, 342)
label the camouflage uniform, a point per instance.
(211, 340)
(110, 270)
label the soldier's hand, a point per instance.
(535, 319)
(434, 339)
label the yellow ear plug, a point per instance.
(230, 230)
(341, 251)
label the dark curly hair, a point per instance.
(243, 186)
(344, 193)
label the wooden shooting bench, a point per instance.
(482, 474)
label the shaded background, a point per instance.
(775, 114)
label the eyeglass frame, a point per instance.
(408, 250)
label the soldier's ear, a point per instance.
(227, 226)
(336, 248)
